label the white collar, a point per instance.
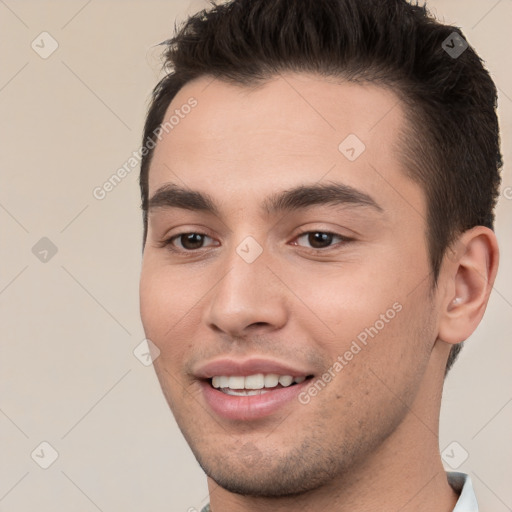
(463, 485)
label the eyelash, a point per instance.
(169, 242)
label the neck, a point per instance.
(405, 473)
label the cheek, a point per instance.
(162, 303)
(397, 351)
(152, 300)
(340, 302)
(371, 315)
(172, 299)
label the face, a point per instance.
(285, 279)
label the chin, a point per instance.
(262, 484)
(248, 472)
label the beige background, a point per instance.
(68, 375)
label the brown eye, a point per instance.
(189, 241)
(320, 239)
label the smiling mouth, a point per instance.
(252, 385)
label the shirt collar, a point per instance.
(462, 484)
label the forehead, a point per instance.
(295, 128)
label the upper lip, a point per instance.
(252, 366)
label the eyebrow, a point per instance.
(301, 197)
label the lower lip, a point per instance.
(253, 407)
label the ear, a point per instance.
(469, 274)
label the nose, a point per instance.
(248, 297)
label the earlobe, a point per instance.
(469, 274)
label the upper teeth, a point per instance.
(257, 381)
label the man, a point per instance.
(318, 190)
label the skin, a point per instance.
(369, 439)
